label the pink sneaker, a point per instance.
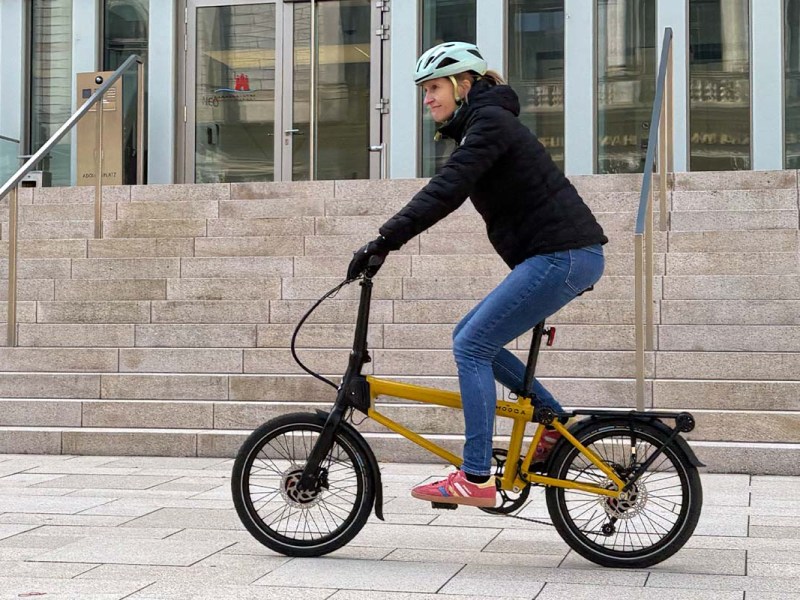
(546, 443)
(456, 489)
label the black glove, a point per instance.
(368, 258)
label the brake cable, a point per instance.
(332, 292)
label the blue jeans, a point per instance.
(534, 290)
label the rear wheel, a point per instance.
(293, 522)
(647, 525)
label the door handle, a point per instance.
(293, 132)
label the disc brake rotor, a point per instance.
(293, 495)
(628, 505)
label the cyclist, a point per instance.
(536, 221)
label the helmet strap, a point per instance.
(455, 90)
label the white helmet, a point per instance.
(449, 58)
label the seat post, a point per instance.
(530, 369)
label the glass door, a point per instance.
(279, 90)
(232, 85)
(330, 92)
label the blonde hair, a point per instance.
(494, 77)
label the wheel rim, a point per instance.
(642, 521)
(308, 518)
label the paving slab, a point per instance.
(198, 591)
(217, 570)
(32, 569)
(66, 589)
(723, 582)
(362, 575)
(567, 591)
(7, 531)
(48, 504)
(133, 552)
(709, 561)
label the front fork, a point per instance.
(349, 394)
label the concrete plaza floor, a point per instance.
(106, 528)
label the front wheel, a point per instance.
(309, 522)
(647, 525)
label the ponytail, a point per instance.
(494, 78)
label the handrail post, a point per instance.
(140, 124)
(638, 286)
(98, 184)
(11, 338)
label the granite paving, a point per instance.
(149, 528)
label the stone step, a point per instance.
(757, 458)
(734, 200)
(735, 180)
(721, 220)
(731, 287)
(731, 263)
(751, 240)
(730, 312)
(712, 425)
(385, 361)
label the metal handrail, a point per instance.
(643, 235)
(10, 187)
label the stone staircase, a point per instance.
(170, 335)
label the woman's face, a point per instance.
(439, 98)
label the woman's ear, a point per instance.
(464, 86)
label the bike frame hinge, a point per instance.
(383, 106)
(382, 31)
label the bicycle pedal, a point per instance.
(444, 505)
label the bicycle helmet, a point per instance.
(447, 59)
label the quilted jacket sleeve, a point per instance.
(486, 139)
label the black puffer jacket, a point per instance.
(529, 206)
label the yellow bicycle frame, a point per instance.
(521, 412)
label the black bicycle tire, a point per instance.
(362, 505)
(678, 535)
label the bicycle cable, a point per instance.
(329, 294)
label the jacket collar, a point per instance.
(482, 93)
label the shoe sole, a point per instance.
(479, 502)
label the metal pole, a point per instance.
(649, 276)
(11, 338)
(312, 104)
(98, 183)
(639, 319)
(140, 125)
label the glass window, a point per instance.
(51, 82)
(536, 68)
(626, 77)
(235, 93)
(792, 62)
(125, 27)
(442, 21)
(719, 85)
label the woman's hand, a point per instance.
(368, 258)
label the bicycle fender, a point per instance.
(622, 419)
(373, 462)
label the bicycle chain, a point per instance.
(528, 518)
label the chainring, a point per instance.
(509, 501)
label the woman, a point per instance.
(536, 222)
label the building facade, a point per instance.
(263, 90)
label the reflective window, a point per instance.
(125, 27)
(792, 62)
(719, 85)
(626, 74)
(442, 21)
(235, 94)
(51, 82)
(536, 68)
(343, 88)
